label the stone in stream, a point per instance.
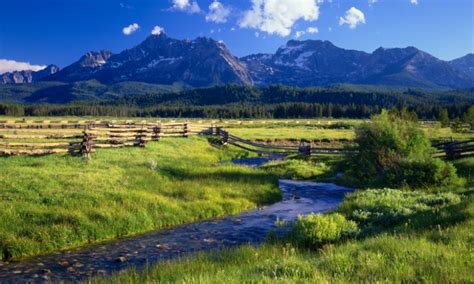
(63, 263)
(121, 259)
(45, 271)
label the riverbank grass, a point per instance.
(56, 202)
(404, 236)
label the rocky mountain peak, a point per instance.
(93, 59)
(204, 61)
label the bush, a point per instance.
(315, 230)
(385, 208)
(421, 174)
(394, 152)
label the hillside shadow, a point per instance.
(54, 94)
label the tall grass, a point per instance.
(58, 201)
(405, 237)
(437, 252)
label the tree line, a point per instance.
(233, 101)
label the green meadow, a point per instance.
(58, 201)
(404, 236)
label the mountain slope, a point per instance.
(315, 62)
(83, 69)
(28, 76)
(464, 64)
(306, 63)
(411, 67)
(162, 60)
(205, 62)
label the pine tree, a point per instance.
(444, 118)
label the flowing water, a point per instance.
(247, 228)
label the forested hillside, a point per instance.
(230, 101)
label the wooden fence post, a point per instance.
(304, 148)
(156, 133)
(87, 143)
(213, 129)
(186, 129)
(141, 137)
(451, 150)
(224, 136)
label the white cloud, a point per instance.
(218, 13)
(126, 6)
(309, 30)
(186, 6)
(414, 2)
(353, 18)
(279, 16)
(157, 30)
(130, 29)
(299, 34)
(312, 30)
(371, 2)
(12, 65)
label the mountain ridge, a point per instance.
(204, 62)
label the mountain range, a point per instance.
(205, 62)
(27, 76)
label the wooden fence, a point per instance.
(304, 148)
(450, 150)
(82, 138)
(453, 149)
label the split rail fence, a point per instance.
(304, 147)
(453, 150)
(82, 138)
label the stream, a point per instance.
(249, 227)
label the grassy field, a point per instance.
(265, 129)
(59, 201)
(404, 237)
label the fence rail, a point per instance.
(453, 149)
(82, 138)
(304, 148)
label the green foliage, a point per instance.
(298, 169)
(468, 117)
(316, 230)
(375, 208)
(56, 202)
(419, 174)
(444, 118)
(395, 152)
(135, 99)
(435, 247)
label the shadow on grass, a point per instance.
(225, 176)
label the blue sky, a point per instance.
(60, 31)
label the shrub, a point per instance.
(421, 174)
(388, 207)
(315, 230)
(394, 152)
